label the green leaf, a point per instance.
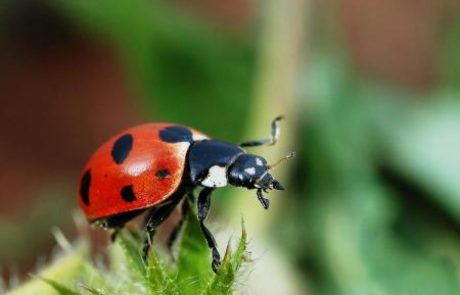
(363, 232)
(94, 291)
(128, 275)
(132, 253)
(224, 281)
(159, 279)
(240, 254)
(70, 268)
(423, 143)
(60, 288)
(95, 280)
(194, 261)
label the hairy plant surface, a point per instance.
(127, 273)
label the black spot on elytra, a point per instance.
(84, 187)
(162, 173)
(127, 193)
(173, 134)
(121, 148)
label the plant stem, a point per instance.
(281, 52)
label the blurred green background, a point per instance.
(370, 90)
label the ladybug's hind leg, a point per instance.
(204, 203)
(114, 234)
(117, 222)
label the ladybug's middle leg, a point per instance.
(155, 218)
(204, 203)
(177, 228)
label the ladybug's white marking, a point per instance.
(196, 137)
(250, 170)
(181, 148)
(217, 177)
(259, 162)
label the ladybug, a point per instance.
(152, 167)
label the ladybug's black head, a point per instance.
(251, 171)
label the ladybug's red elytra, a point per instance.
(152, 167)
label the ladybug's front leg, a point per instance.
(204, 203)
(264, 201)
(275, 133)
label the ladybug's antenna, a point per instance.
(289, 156)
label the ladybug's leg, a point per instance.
(264, 201)
(114, 234)
(117, 222)
(204, 203)
(275, 133)
(175, 232)
(156, 217)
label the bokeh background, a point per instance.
(371, 94)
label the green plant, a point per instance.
(127, 273)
